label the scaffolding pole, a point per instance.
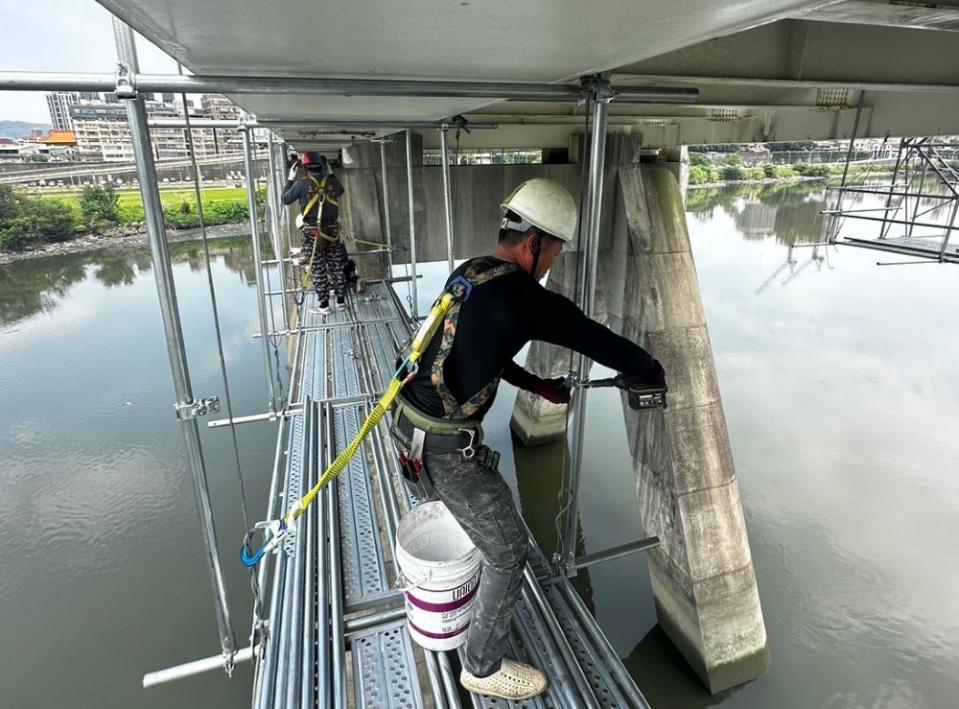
(258, 265)
(387, 227)
(321, 86)
(447, 199)
(176, 350)
(274, 203)
(589, 256)
(412, 208)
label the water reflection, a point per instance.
(38, 285)
(93, 479)
(791, 214)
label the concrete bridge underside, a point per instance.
(771, 70)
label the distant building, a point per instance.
(219, 107)
(166, 98)
(59, 103)
(102, 134)
(9, 150)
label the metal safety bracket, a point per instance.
(596, 87)
(197, 407)
(126, 86)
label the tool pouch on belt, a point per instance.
(486, 457)
(412, 467)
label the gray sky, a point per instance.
(60, 35)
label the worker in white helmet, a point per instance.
(500, 307)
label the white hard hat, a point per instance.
(543, 204)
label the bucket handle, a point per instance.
(403, 577)
(415, 584)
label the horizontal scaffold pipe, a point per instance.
(162, 83)
(625, 80)
(307, 125)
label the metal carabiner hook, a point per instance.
(273, 534)
(468, 451)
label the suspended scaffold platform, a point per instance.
(333, 631)
(913, 214)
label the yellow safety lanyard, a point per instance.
(276, 530)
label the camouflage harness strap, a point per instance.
(479, 272)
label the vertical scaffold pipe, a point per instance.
(170, 315)
(265, 337)
(837, 218)
(447, 198)
(273, 195)
(387, 227)
(412, 206)
(590, 257)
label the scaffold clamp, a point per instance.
(126, 88)
(197, 407)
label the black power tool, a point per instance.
(639, 397)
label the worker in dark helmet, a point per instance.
(499, 308)
(324, 254)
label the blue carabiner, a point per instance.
(250, 558)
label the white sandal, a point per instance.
(514, 680)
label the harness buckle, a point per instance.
(461, 281)
(469, 450)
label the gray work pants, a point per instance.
(482, 503)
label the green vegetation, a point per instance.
(27, 219)
(99, 206)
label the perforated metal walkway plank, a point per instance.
(347, 358)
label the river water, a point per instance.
(838, 380)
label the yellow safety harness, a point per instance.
(277, 529)
(321, 197)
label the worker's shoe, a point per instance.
(341, 303)
(324, 308)
(514, 681)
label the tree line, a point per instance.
(26, 220)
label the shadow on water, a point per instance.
(38, 285)
(665, 677)
(657, 666)
(539, 473)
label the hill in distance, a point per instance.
(20, 129)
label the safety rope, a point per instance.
(229, 660)
(278, 529)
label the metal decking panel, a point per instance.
(346, 361)
(384, 669)
(604, 687)
(364, 571)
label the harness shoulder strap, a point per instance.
(319, 194)
(480, 271)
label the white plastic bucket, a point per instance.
(442, 568)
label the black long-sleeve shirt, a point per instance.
(303, 189)
(494, 324)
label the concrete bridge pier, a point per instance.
(704, 586)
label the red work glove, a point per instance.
(554, 390)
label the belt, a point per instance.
(332, 231)
(442, 434)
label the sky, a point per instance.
(60, 35)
